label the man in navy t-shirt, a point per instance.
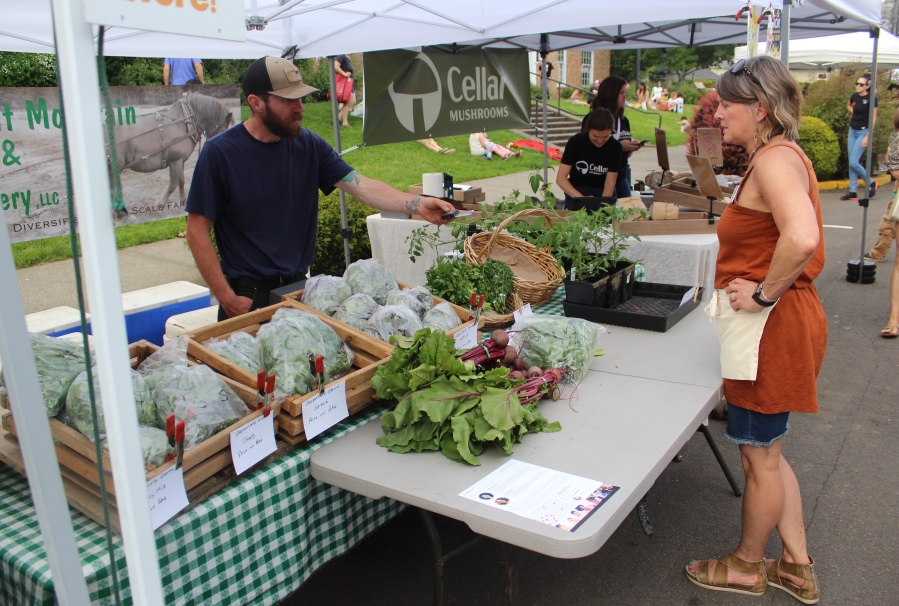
(257, 185)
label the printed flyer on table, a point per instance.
(551, 497)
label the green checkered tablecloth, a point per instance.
(254, 542)
(553, 307)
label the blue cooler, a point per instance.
(147, 310)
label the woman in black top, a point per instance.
(591, 161)
(344, 67)
(859, 107)
(612, 96)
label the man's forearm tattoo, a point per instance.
(413, 204)
(353, 175)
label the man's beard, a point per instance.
(281, 127)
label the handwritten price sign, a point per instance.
(252, 443)
(166, 495)
(324, 411)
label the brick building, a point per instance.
(577, 68)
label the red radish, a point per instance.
(534, 371)
(500, 337)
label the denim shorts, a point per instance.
(752, 428)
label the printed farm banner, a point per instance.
(413, 95)
(158, 133)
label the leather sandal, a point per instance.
(887, 333)
(809, 593)
(718, 582)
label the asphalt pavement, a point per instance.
(845, 457)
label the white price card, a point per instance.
(467, 337)
(524, 313)
(167, 495)
(253, 442)
(324, 411)
(687, 296)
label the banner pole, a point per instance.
(344, 220)
(544, 85)
(863, 199)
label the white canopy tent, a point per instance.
(303, 29)
(839, 51)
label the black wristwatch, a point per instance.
(758, 297)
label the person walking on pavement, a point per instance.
(886, 232)
(859, 107)
(257, 185)
(345, 81)
(182, 71)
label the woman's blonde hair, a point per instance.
(779, 94)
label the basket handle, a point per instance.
(536, 212)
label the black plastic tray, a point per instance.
(653, 307)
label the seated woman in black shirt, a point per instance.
(591, 160)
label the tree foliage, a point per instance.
(736, 159)
(658, 64)
(27, 69)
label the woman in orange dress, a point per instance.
(771, 250)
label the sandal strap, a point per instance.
(738, 564)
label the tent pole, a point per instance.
(637, 74)
(544, 85)
(344, 220)
(863, 200)
(785, 34)
(90, 181)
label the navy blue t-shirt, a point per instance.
(263, 199)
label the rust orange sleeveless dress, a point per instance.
(795, 337)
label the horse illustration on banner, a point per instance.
(166, 138)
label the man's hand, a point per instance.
(431, 209)
(865, 141)
(236, 305)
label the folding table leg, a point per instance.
(513, 566)
(439, 558)
(724, 467)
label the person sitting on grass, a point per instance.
(480, 145)
(435, 147)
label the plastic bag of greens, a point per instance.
(442, 316)
(285, 343)
(393, 320)
(58, 363)
(158, 364)
(356, 310)
(200, 398)
(326, 293)
(153, 443)
(240, 349)
(556, 342)
(417, 299)
(78, 403)
(370, 277)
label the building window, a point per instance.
(586, 68)
(559, 72)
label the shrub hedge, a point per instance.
(821, 145)
(329, 257)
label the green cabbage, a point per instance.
(370, 277)
(326, 293)
(356, 310)
(392, 320)
(442, 316)
(417, 299)
(284, 346)
(78, 403)
(239, 349)
(154, 445)
(555, 342)
(200, 398)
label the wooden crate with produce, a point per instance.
(207, 464)
(367, 353)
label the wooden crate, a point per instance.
(686, 223)
(691, 198)
(207, 466)
(369, 354)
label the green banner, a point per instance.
(413, 95)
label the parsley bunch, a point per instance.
(453, 279)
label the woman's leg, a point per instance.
(894, 287)
(856, 170)
(623, 187)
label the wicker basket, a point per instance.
(478, 247)
(513, 303)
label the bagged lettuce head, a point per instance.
(239, 349)
(58, 363)
(326, 293)
(392, 320)
(370, 277)
(78, 403)
(417, 299)
(356, 311)
(442, 316)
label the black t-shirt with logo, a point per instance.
(621, 131)
(589, 164)
(860, 106)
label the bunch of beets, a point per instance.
(496, 351)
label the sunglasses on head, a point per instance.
(740, 67)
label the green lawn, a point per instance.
(643, 124)
(399, 164)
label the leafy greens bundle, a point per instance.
(326, 293)
(444, 404)
(370, 277)
(556, 342)
(78, 403)
(453, 279)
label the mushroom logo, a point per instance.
(582, 166)
(430, 102)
